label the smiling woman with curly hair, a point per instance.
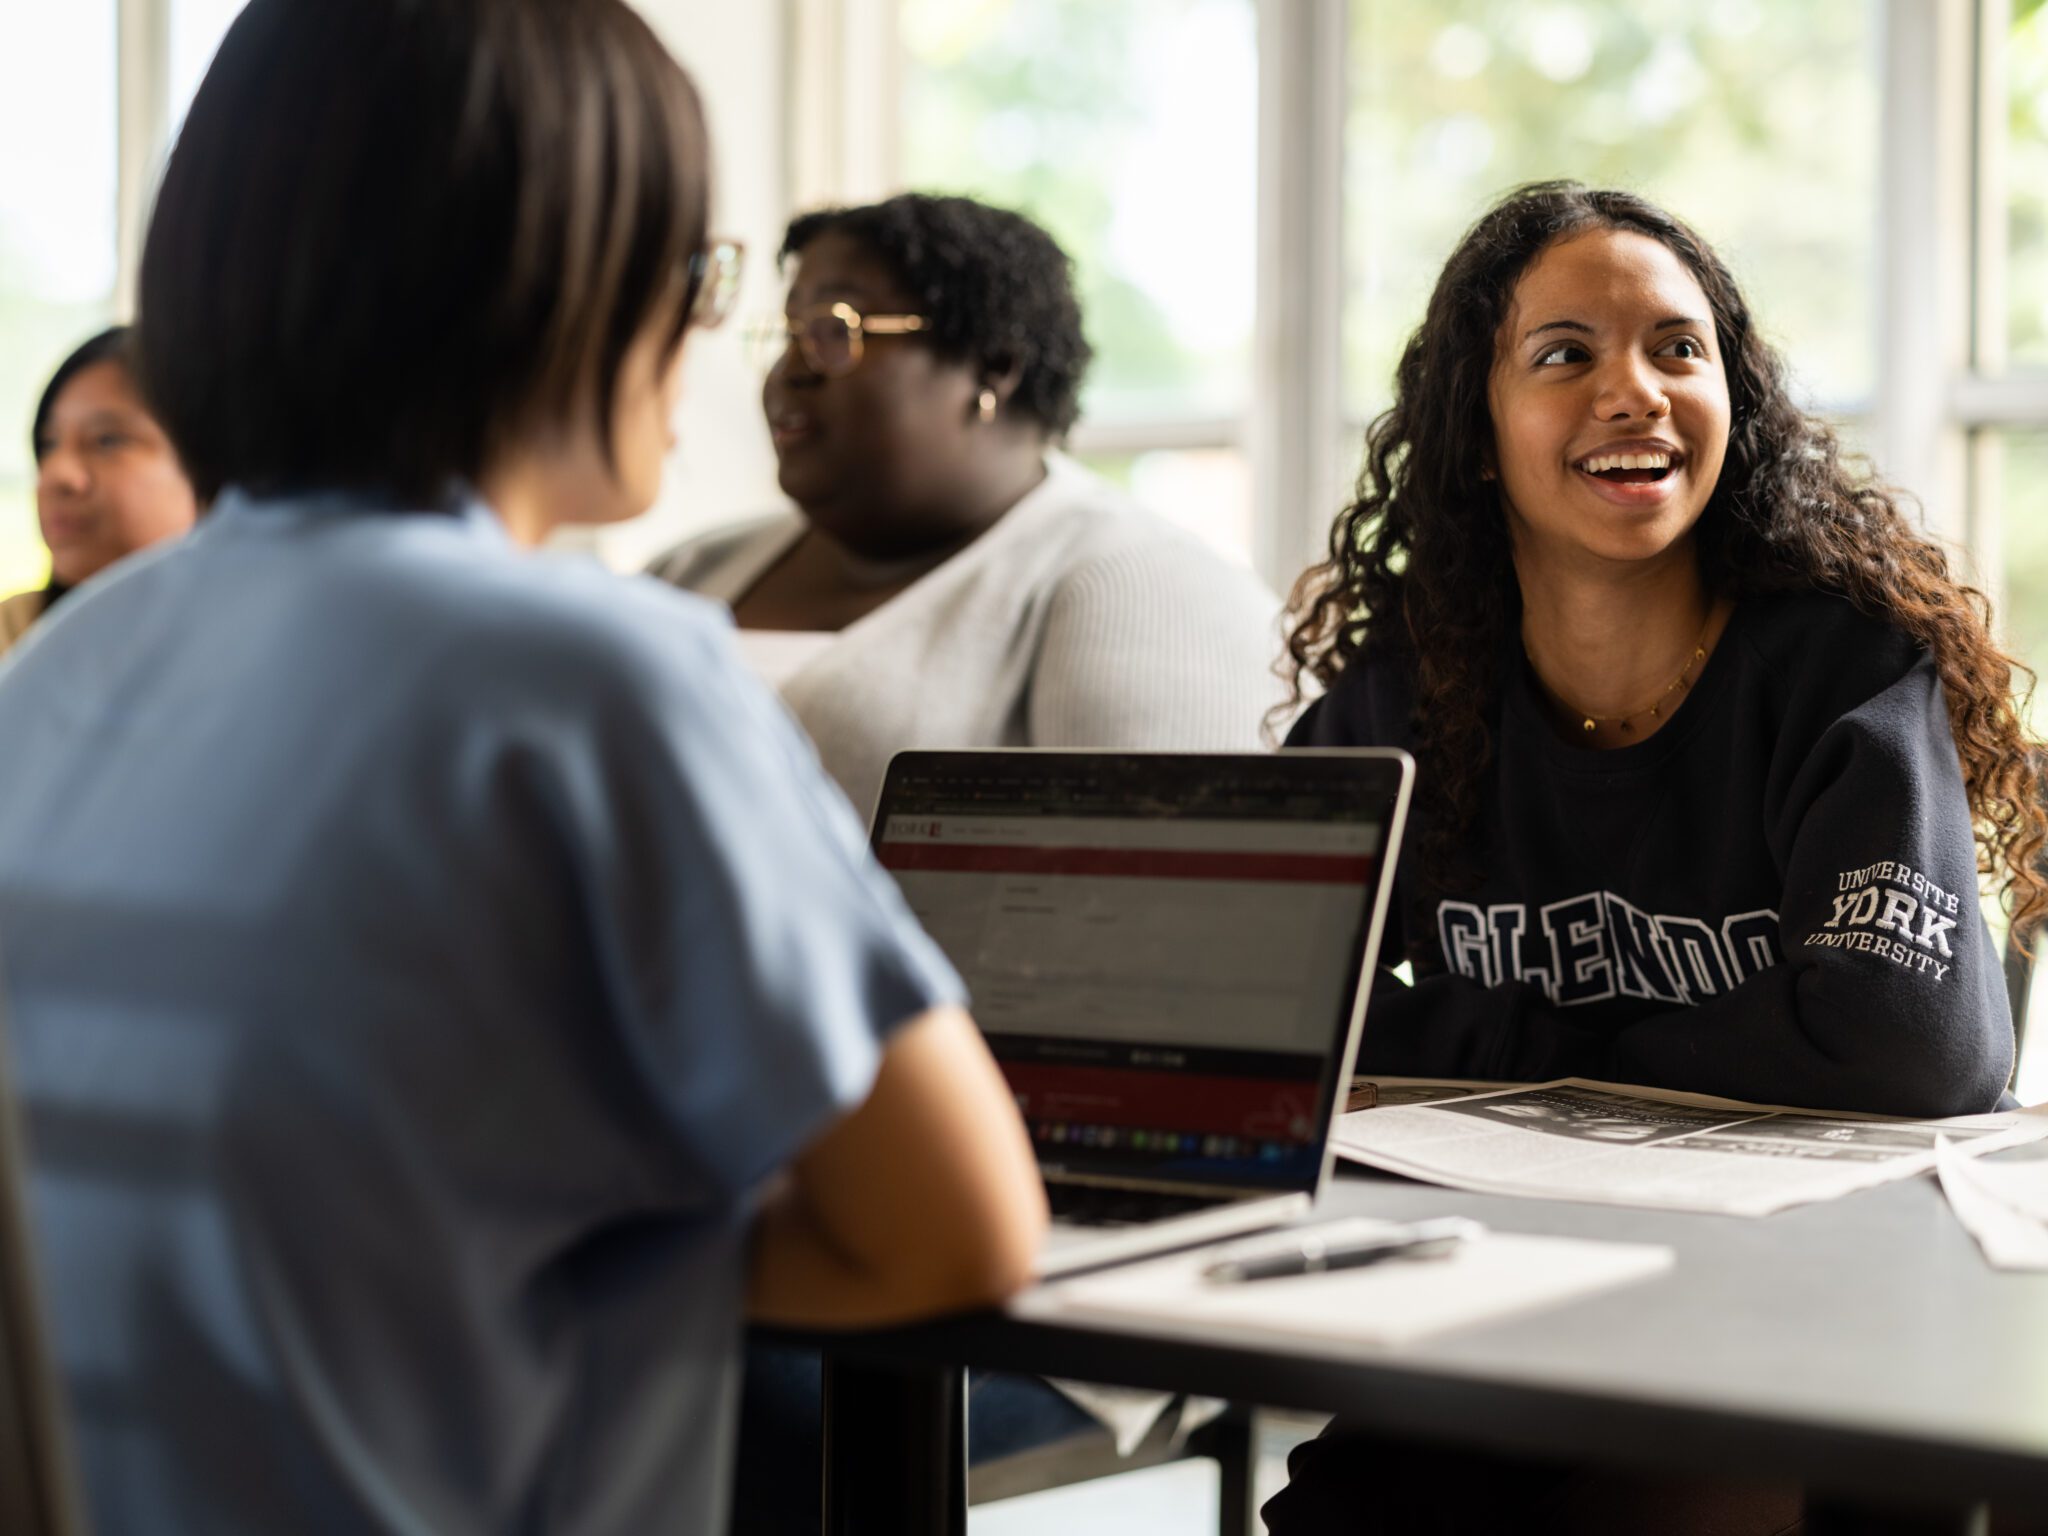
(1713, 747)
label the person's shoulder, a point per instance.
(1369, 704)
(1106, 535)
(1094, 516)
(538, 625)
(577, 651)
(1790, 621)
(1822, 650)
(696, 563)
(578, 608)
(1832, 679)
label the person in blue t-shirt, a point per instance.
(445, 991)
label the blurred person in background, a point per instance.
(108, 481)
(445, 992)
(947, 578)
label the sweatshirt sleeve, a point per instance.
(1886, 995)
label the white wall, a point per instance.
(724, 468)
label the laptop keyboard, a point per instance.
(1095, 1205)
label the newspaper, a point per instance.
(1615, 1145)
(2003, 1204)
(1385, 1092)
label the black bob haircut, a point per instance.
(997, 289)
(397, 236)
(112, 345)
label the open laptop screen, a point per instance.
(1163, 950)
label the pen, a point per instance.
(1313, 1250)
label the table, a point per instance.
(1860, 1346)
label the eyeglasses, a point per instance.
(831, 337)
(712, 283)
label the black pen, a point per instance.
(1312, 1250)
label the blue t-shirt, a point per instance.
(417, 954)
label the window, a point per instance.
(2016, 282)
(72, 191)
(57, 231)
(1756, 123)
(2006, 410)
(2001, 404)
(2016, 502)
(1130, 131)
(1134, 132)
(196, 28)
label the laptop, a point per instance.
(1169, 955)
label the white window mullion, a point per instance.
(1985, 395)
(1923, 320)
(1296, 334)
(1987, 217)
(1179, 433)
(844, 72)
(143, 50)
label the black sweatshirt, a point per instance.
(1773, 898)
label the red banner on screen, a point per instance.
(1155, 863)
(1265, 1109)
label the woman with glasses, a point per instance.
(947, 579)
(443, 989)
(108, 482)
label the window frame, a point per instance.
(1984, 398)
(142, 52)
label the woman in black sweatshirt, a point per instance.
(1711, 745)
(1711, 751)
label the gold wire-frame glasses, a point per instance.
(713, 275)
(832, 338)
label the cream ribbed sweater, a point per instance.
(1078, 620)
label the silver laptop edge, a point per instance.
(1071, 1248)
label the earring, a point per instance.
(985, 405)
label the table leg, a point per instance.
(895, 1450)
(1844, 1517)
(1233, 1440)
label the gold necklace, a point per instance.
(1654, 709)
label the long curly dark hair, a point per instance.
(1419, 569)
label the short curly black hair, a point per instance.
(997, 289)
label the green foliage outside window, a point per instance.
(1064, 109)
(2026, 185)
(1757, 123)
